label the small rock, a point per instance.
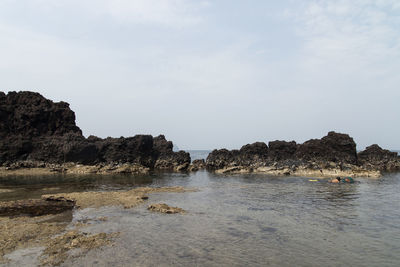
(164, 208)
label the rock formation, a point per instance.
(35, 131)
(332, 155)
(197, 164)
(374, 157)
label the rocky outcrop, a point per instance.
(282, 150)
(335, 147)
(28, 114)
(36, 130)
(197, 164)
(332, 155)
(374, 157)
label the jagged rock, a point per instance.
(253, 154)
(197, 164)
(374, 157)
(35, 129)
(335, 147)
(282, 150)
(162, 145)
(173, 161)
(334, 154)
(222, 158)
(29, 114)
(167, 159)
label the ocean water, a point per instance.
(198, 154)
(239, 220)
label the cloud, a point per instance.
(163, 12)
(166, 13)
(352, 34)
(183, 69)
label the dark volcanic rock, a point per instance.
(248, 155)
(137, 149)
(166, 158)
(332, 153)
(252, 154)
(222, 158)
(29, 114)
(282, 150)
(35, 129)
(335, 147)
(374, 157)
(197, 164)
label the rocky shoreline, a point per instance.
(39, 136)
(331, 156)
(36, 133)
(48, 222)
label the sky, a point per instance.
(211, 74)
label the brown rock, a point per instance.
(164, 208)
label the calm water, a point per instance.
(241, 220)
(198, 154)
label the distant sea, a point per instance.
(198, 154)
(202, 154)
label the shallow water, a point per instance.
(239, 220)
(198, 154)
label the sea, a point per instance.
(198, 154)
(234, 220)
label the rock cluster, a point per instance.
(374, 157)
(197, 164)
(333, 154)
(36, 131)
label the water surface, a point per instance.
(238, 220)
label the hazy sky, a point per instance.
(211, 74)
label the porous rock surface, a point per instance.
(332, 155)
(35, 131)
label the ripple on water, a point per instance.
(249, 220)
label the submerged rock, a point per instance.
(127, 199)
(36, 207)
(164, 208)
(36, 130)
(58, 248)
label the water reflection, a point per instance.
(15, 187)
